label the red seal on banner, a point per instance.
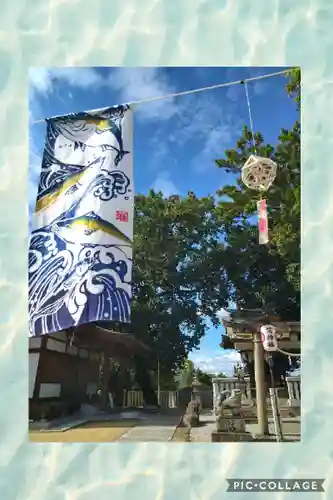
(122, 216)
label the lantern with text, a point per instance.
(269, 338)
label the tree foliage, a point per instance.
(174, 273)
(293, 86)
(185, 376)
(265, 276)
(176, 247)
(182, 264)
(206, 378)
(188, 373)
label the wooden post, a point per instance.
(38, 379)
(106, 374)
(158, 383)
(259, 373)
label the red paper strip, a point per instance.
(262, 222)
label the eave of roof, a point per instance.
(93, 336)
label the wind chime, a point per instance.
(258, 173)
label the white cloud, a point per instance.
(160, 152)
(214, 145)
(218, 361)
(164, 184)
(236, 93)
(197, 117)
(216, 141)
(136, 84)
(132, 84)
(213, 127)
(222, 314)
(42, 79)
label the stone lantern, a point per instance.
(196, 391)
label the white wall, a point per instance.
(49, 390)
(62, 335)
(35, 342)
(54, 345)
(33, 365)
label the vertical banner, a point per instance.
(262, 222)
(80, 253)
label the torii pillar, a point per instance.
(259, 374)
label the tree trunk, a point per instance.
(143, 379)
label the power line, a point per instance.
(186, 92)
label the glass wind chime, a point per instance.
(258, 173)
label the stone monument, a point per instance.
(230, 423)
(192, 414)
(196, 392)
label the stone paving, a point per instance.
(203, 433)
(143, 434)
(157, 428)
(291, 428)
(161, 427)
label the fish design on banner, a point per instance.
(80, 252)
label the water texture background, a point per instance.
(148, 32)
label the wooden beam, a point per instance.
(42, 350)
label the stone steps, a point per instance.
(290, 438)
(285, 411)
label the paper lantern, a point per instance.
(268, 338)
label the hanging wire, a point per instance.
(188, 92)
(250, 114)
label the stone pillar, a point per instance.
(230, 423)
(215, 392)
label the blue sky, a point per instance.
(175, 140)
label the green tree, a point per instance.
(175, 273)
(206, 378)
(182, 265)
(267, 276)
(186, 374)
(293, 86)
(264, 276)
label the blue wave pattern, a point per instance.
(80, 253)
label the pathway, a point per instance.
(203, 433)
(92, 432)
(157, 428)
(125, 426)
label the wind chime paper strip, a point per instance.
(262, 222)
(80, 254)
